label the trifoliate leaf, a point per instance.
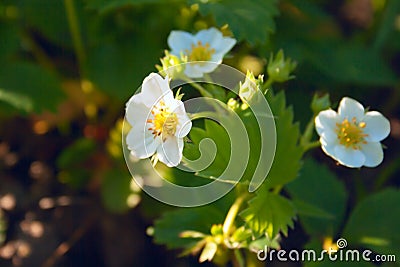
(374, 223)
(251, 20)
(287, 161)
(319, 187)
(269, 213)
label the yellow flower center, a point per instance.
(164, 121)
(351, 134)
(200, 52)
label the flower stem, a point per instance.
(311, 145)
(200, 88)
(267, 85)
(76, 34)
(233, 211)
(305, 139)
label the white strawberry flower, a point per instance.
(205, 49)
(159, 122)
(352, 136)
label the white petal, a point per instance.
(141, 143)
(373, 154)
(350, 108)
(184, 123)
(179, 41)
(225, 45)
(328, 147)
(136, 111)
(349, 157)
(154, 88)
(211, 36)
(376, 126)
(326, 121)
(193, 72)
(170, 151)
(197, 69)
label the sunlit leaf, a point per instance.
(269, 213)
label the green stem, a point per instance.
(200, 88)
(311, 145)
(267, 85)
(76, 34)
(233, 211)
(200, 115)
(238, 260)
(277, 189)
(305, 139)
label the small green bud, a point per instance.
(279, 69)
(320, 103)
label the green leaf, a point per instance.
(287, 161)
(18, 101)
(118, 69)
(388, 23)
(34, 84)
(374, 223)
(354, 63)
(116, 190)
(38, 13)
(173, 223)
(76, 153)
(109, 5)
(222, 146)
(317, 186)
(310, 210)
(251, 20)
(10, 41)
(269, 213)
